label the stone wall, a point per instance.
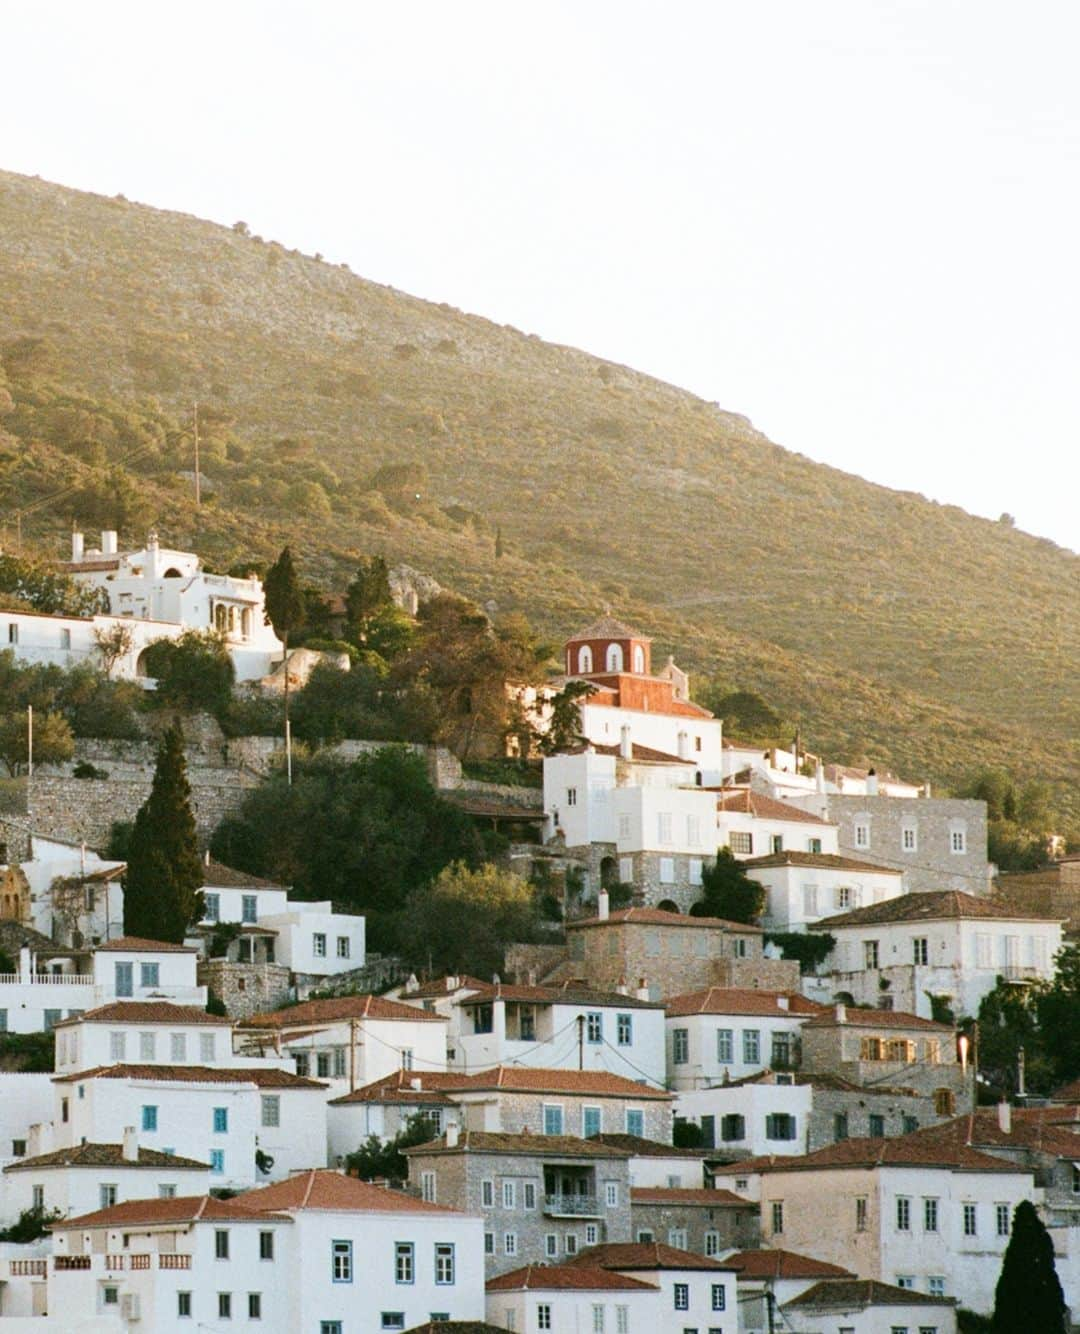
(377, 974)
(735, 1228)
(891, 1105)
(245, 988)
(758, 974)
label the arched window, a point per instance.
(172, 573)
(584, 659)
(639, 660)
(614, 658)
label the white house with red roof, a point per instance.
(752, 825)
(131, 968)
(150, 1032)
(803, 887)
(773, 1277)
(696, 1291)
(572, 1297)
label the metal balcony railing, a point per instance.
(572, 1206)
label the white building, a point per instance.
(572, 1297)
(147, 1032)
(753, 1118)
(946, 943)
(567, 1027)
(74, 896)
(131, 968)
(695, 1291)
(868, 1306)
(250, 1124)
(726, 1033)
(167, 587)
(349, 1041)
(753, 825)
(775, 1276)
(803, 887)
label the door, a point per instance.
(125, 979)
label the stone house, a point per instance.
(1052, 891)
(542, 1198)
(708, 1222)
(656, 1164)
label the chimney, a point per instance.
(206, 857)
(108, 542)
(453, 1131)
(871, 783)
(643, 988)
(416, 1083)
(78, 545)
(927, 791)
(131, 1145)
(841, 1013)
(819, 778)
(626, 747)
(26, 964)
(603, 905)
(684, 746)
(36, 1139)
(783, 1002)
(1005, 1117)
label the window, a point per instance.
(776, 843)
(725, 1046)
(37, 1197)
(224, 1305)
(1001, 1219)
(149, 1118)
(18, 1148)
(635, 1122)
(870, 953)
(810, 901)
(147, 1046)
(404, 1262)
(117, 1046)
(584, 659)
(318, 944)
(958, 840)
(626, 875)
(611, 1194)
(911, 1124)
(862, 834)
(65, 1109)
(553, 1119)
(905, 1281)
(509, 1195)
(920, 950)
(594, 1027)
(166, 1192)
(719, 1297)
(249, 909)
(622, 1320)
(65, 638)
(221, 1120)
(322, 1064)
(183, 1304)
(667, 877)
(254, 1305)
(780, 1125)
(944, 1102)
(339, 1063)
(935, 1285)
(909, 840)
(489, 1243)
(341, 1261)
(663, 827)
(840, 1125)
(543, 1316)
(813, 845)
(343, 947)
(680, 1046)
(712, 1243)
(217, 1161)
(221, 1243)
(598, 1319)
(487, 1194)
(592, 1234)
(571, 1243)
(207, 1048)
(510, 1243)
(682, 1296)
(149, 974)
(777, 1215)
(444, 1263)
(861, 1208)
(732, 1127)
(390, 1320)
(106, 1196)
(781, 1051)
(12, 633)
(178, 1048)
(751, 1046)
(741, 842)
(591, 1120)
(211, 907)
(614, 658)
(877, 1125)
(903, 1213)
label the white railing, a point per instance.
(46, 979)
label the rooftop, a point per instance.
(139, 945)
(699, 1197)
(146, 1012)
(647, 1148)
(566, 1278)
(658, 917)
(155, 1212)
(826, 861)
(742, 1000)
(607, 627)
(364, 1006)
(263, 1076)
(644, 1255)
(745, 802)
(106, 1155)
(783, 1264)
(564, 995)
(932, 906)
(216, 875)
(883, 1019)
(851, 1293)
(915, 1150)
(494, 1141)
(334, 1192)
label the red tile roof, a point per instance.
(106, 1155)
(931, 906)
(644, 1255)
(262, 1076)
(146, 1012)
(783, 1264)
(536, 1079)
(333, 1191)
(826, 861)
(140, 945)
(440, 986)
(914, 1150)
(364, 1006)
(644, 754)
(399, 1087)
(742, 1000)
(849, 1293)
(568, 994)
(180, 1209)
(1035, 1129)
(658, 917)
(216, 875)
(745, 802)
(607, 627)
(532, 1146)
(884, 1019)
(566, 1278)
(700, 1197)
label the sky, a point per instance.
(854, 221)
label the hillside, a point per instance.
(892, 626)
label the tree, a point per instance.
(285, 608)
(113, 643)
(1058, 1008)
(194, 673)
(162, 884)
(366, 596)
(727, 891)
(748, 716)
(1028, 1296)
(564, 727)
(384, 1160)
(1009, 1021)
(464, 921)
(53, 740)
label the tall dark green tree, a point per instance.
(285, 607)
(727, 891)
(162, 886)
(366, 596)
(1028, 1295)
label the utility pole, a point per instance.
(195, 433)
(30, 741)
(770, 1301)
(581, 1042)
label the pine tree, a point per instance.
(1029, 1295)
(162, 887)
(285, 608)
(728, 892)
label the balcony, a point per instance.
(572, 1206)
(28, 1268)
(62, 1262)
(174, 1261)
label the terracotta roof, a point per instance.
(504, 807)
(658, 917)
(783, 1264)
(537, 1079)
(934, 905)
(891, 1019)
(565, 995)
(1067, 1092)
(398, 1087)
(746, 802)
(106, 1155)
(457, 1327)
(607, 627)
(494, 1141)
(742, 1000)
(644, 754)
(139, 945)
(699, 1197)
(914, 1150)
(1039, 1129)
(216, 875)
(826, 861)
(146, 1012)
(320, 1189)
(88, 567)
(644, 1255)
(364, 1006)
(647, 1148)
(179, 1209)
(849, 1293)
(566, 1278)
(440, 986)
(264, 1077)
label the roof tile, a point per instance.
(566, 1278)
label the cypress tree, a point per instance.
(285, 610)
(162, 887)
(1028, 1295)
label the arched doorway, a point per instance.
(609, 872)
(668, 905)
